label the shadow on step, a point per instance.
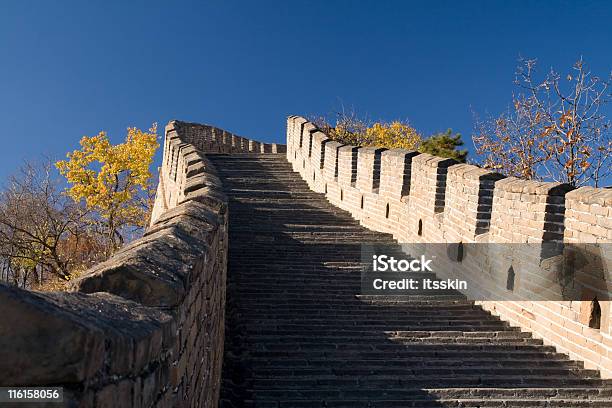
(298, 334)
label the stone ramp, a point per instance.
(299, 335)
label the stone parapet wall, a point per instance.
(204, 139)
(425, 199)
(146, 327)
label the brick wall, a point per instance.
(146, 327)
(427, 199)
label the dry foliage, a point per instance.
(555, 130)
(48, 235)
(36, 220)
(353, 130)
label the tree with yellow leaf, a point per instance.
(555, 131)
(114, 182)
(353, 130)
(393, 135)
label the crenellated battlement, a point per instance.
(421, 198)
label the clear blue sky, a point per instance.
(69, 69)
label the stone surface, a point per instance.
(146, 327)
(299, 334)
(424, 199)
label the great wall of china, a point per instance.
(146, 327)
(151, 326)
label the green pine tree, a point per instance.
(444, 144)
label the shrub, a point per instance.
(353, 130)
(350, 129)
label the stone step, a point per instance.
(445, 374)
(349, 311)
(347, 333)
(354, 303)
(466, 349)
(335, 317)
(392, 299)
(328, 314)
(241, 208)
(415, 364)
(275, 221)
(353, 308)
(347, 293)
(404, 353)
(331, 315)
(418, 334)
(357, 336)
(335, 289)
(395, 327)
(283, 389)
(327, 340)
(426, 403)
(430, 378)
(336, 228)
(294, 301)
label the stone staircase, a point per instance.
(298, 334)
